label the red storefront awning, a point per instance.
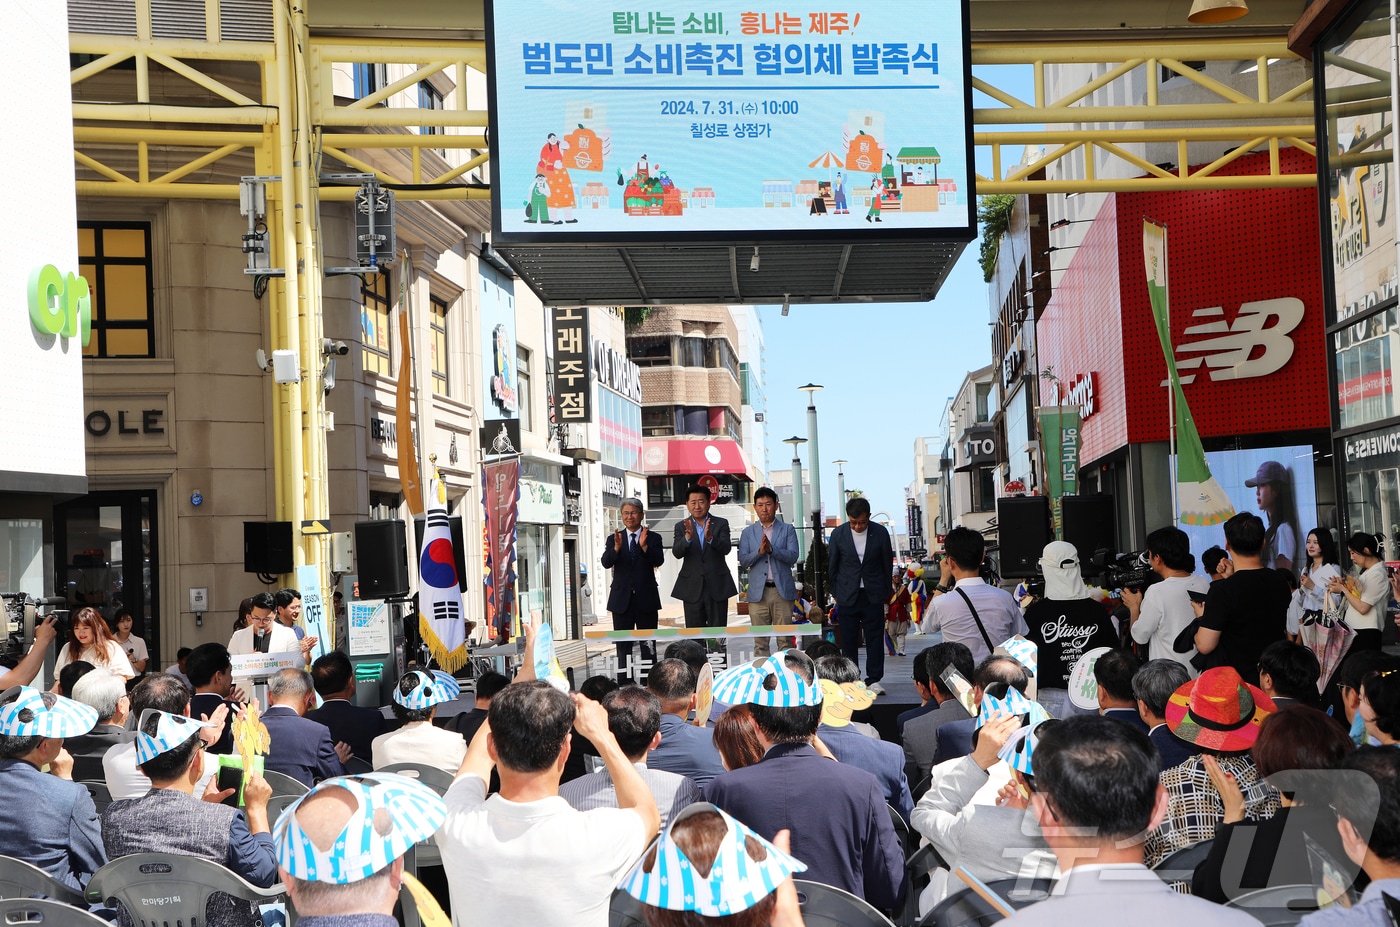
(677, 456)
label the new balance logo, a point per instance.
(1256, 345)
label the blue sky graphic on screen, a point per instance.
(1287, 502)
(712, 117)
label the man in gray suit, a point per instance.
(921, 732)
(860, 564)
(768, 549)
(704, 583)
(1096, 794)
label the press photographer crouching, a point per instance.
(1064, 625)
(1161, 612)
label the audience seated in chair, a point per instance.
(954, 738)
(105, 692)
(1288, 674)
(415, 702)
(884, 761)
(685, 749)
(334, 678)
(170, 818)
(162, 692)
(1114, 672)
(299, 747)
(46, 819)
(920, 733)
(1097, 791)
(501, 854)
(329, 887)
(1153, 687)
(634, 717)
(467, 723)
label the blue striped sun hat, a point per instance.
(1013, 703)
(393, 813)
(736, 881)
(1019, 748)
(747, 685)
(1023, 651)
(27, 712)
(433, 687)
(171, 732)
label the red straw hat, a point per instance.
(1218, 711)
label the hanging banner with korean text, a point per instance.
(313, 611)
(1059, 430)
(500, 492)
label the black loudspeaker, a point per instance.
(1089, 523)
(267, 547)
(1023, 530)
(459, 550)
(381, 554)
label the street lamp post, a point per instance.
(797, 492)
(841, 490)
(811, 390)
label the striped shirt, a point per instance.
(596, 790)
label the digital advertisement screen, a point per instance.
(720, 119)
(1284, 495)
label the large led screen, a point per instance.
(720, 119)
(1283, 493)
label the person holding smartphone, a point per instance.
(1366, 593)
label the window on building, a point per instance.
(650, 350)
(722, 355)
(658, 421)
(522, 384)
(369, 78)
(115, 258)
(692, 351)
(733, 427)
(437, 324)
(375, 333)
(429, 97)
(984, 490)
(984, 395)
(383, 505)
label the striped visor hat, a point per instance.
(171, 732)
(769, 683)
(1022, 651)
(392, 813)
(432, 687)
(1013, 703)
(27, 712)
(1019, 748)
(666, 878)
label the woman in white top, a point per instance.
(1366, 594)
(90, 640)
(134, 646)
(1320, 569)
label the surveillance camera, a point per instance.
(334, 347)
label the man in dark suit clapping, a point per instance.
(701, 543)
(860, 565)
(633, 555)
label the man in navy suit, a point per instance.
(883, 760)
(768, 549)
(334, 679)
(299, 747)
(701, 543)
(860, 564)
(633, 554)
(1153, 686)
(954, 738)
(1115, 671)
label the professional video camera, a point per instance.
(20, 611)
(1132, 570)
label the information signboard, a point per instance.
(706, 121)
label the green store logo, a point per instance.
(60, 304)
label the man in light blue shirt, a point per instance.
(972, 612)
(1378, 854)
(768, 549)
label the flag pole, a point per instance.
(1171, 388)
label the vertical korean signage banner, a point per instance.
(724, 117)
(572, 393)
(500, 488)
(1059, 428)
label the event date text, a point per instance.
(729, 108)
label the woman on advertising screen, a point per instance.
(1273, 492)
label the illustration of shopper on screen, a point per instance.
(839, 209)
(537, 206)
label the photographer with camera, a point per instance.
(1163, 610)
(971, 611)
(1064, 624)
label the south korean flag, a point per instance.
(442, 619)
